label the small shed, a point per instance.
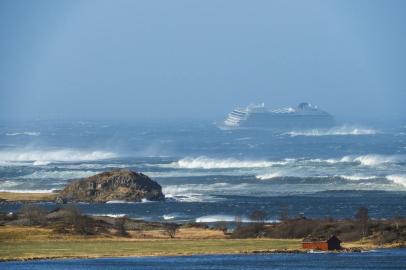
(322, 243)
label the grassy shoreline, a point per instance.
(36, 233)
(28, 243)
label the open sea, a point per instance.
(208, 174)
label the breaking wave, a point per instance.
(110, 215)
(28, 190)
(195, 192)
(397, 179)
(48, 156)
(338, 131)
(212, 163)
(228, 218)
(273, 175)
(7, 184)
(26, 133)
(374, 160)
(357, 177)
(60, 175)
(365, 160)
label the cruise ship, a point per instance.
(304, 116)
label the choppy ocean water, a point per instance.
(379, 259)
(209, 174)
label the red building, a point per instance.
(322, 243)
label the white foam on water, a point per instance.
(399, 179)
(110, 215)
(28, 190)
(168, 216)
(26, 133)
(337, 131)
(128, 202)
(268, 176)
(228, 218)
(60, 175)
(187, 188)
(214, 163)
(7, 184)
(374, 159)
(365, 160)
(201, 192)
(191, 197)
(41, 163)
(117, 201)
(42, 157)
(356, 177)
(217, 218)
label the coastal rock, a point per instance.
(120, 185)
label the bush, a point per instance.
(386, 237)
(221, 226)
(73, 221)
(120, 227)
(171, 229)
(35, 215)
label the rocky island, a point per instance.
(117, 185)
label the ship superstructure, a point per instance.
(304, 116)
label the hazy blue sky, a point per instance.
(158, 59)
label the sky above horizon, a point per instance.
(198, 59)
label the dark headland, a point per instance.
(120, 185)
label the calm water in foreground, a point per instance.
(380, 259)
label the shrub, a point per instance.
(35, 215)
(73, 221)
(120, 227)
(171, 229)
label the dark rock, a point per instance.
(115, 185)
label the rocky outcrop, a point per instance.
(114, 185)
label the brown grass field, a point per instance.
(13, 196)
(17, 243)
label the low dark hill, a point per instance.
(115, 185)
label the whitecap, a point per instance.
(28, 190)
(268, 176)
(337, 131)
(26, 133)
(214, 163)
(374, 159)
(42, 157)
(356, 177)
(110, 215)
(168, 217)
(365, 160)
(229, 218)
(117, 201)
(399, 179)
(8, 184)
(61, 175)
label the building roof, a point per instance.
(320, 238)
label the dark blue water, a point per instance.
(343, 204)
(381, 259)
